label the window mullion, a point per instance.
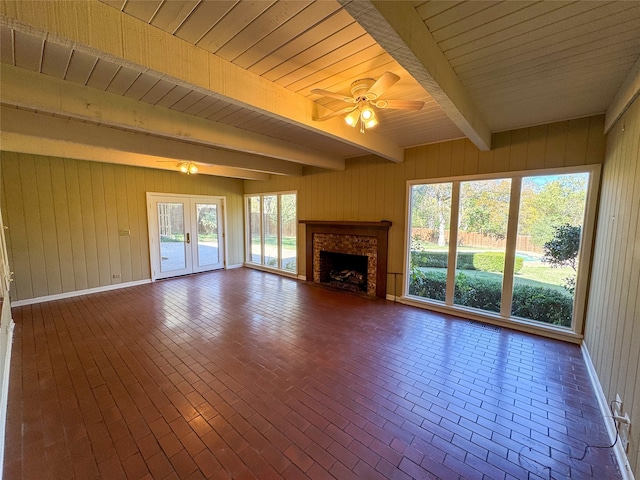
(279, 229)
(262, 239)
(510, 253)
(453, 243)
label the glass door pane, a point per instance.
(270, 228)
(549, 234)
(288, 232)
(255, 237)
(172, 237)
(429, 242)
(482, 233)
(207, 229)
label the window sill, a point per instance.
(264, 268)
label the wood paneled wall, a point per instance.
(64, 218)
(613, 315)
(372, 189)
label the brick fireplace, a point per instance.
(354, 250)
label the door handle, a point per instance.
(188, 238)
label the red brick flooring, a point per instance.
(242, 374)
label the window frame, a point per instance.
(504, 318)
(247, 237)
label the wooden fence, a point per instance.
(474, 239)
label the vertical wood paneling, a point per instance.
(64, 218)
(48, 222)
(100, 211)
(577, 134)
(35, 239)
(612, 329)
(16, 221)
(518, 150)
(88, 225)
(556, 145)
(485, 161)
(502, 151)
(471, 154)
(134, 224)
(63, 227)
(111, 209)
(536, 147)
(457, 157)
(74, 206)
(432, 160)
(596, 141)
(122, 219)
(444, 162)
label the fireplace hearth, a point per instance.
(357, 253)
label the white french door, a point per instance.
(186, 234)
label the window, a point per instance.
(508, 247)
(271, 221)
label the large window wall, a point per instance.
(271, 225)
(511, 247)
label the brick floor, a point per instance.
(243, 374)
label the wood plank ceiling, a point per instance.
(521, 63)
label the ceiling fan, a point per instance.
(365, 95)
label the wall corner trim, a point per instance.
(77, 293)
(621, 457)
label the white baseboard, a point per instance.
(621, 456)
(237, 265)
(77, 293)
(4, 398)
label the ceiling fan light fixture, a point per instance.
(352, 118)
(371, 120)
(188, 168)
(367, 114)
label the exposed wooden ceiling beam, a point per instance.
(51, 95)
(398, 28)
(102, 30)
(21, 127)
(14, 142)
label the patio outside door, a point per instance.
(186, 234)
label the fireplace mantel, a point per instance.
(378, 230)
(345, 223)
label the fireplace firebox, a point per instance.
(344, 270)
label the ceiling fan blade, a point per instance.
(327, 93)
(383, 83)
(400, 104)
(335, 114)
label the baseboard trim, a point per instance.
(77, 293)
(4, 398)
(237, 265)
(621, 456)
